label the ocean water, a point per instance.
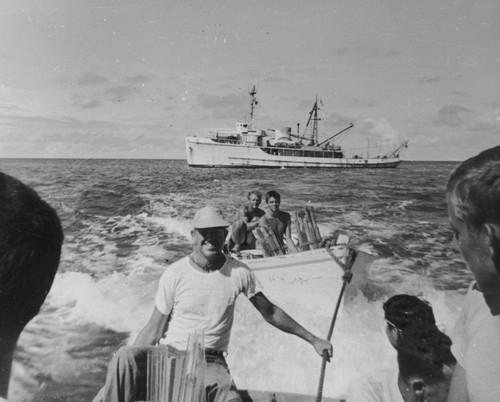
(126, 220)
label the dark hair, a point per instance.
(273, 194)
(254, 192)
(405, 310)
(424, 351)
(30, 248)
(474, 188)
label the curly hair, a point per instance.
(406, 310)
(424, 351)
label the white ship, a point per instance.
(246, 146)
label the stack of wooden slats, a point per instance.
(307, 229)
(177, 376)
(268, 241)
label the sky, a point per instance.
(133, 78)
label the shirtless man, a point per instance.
(279, 221)
(248, 220)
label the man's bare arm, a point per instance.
(153, 330)
(281, 320)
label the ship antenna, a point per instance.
(315, 122)
(253, 102)
(313, 116)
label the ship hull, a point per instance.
(204, 152)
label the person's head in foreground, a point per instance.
(30, 248)
(209, 233)
(473, 198)
(425, 364)
(402, 311)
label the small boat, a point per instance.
(248, 147)
(320, 272)
(320, 265)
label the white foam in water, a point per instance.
(172, 225)
(119, 302)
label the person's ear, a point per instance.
(419, 389)
(193, 233)
(493, 239)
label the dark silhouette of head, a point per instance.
(31, 238)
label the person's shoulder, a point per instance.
(234, 263)
(177, 266)
(260, 212)
(264, 217)
(238, 267)
(285, 214)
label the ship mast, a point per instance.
(313, 116)
(253, 102)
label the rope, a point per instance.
(346, 278)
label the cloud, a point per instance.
(450, 115)
(7, 106)
(275, 79)
(367, 51)
(86, 102)
(121, 93)
(356, 103)
(336, 120)
(224, 106)
(429, 80)
(488, 120)
(89, 79)
(341, 51)
(381, 128)
(462, 94)
(137, 79)
(35, 136)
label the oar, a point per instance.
(346, 278)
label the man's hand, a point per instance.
(323, 346)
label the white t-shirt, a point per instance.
(378, 386)
(476, 346)
(204, 301)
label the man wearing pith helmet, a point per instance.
(198, 293)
